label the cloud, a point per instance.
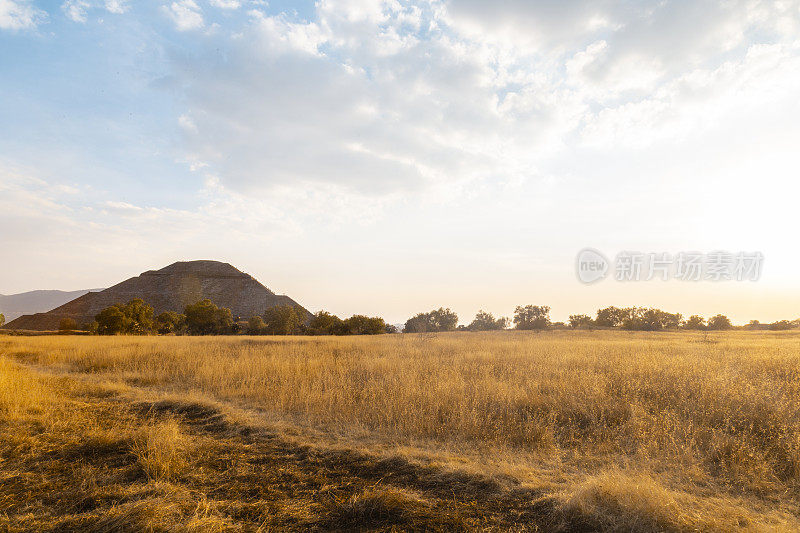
(47, 215)
(186, 122)
(226, 4)
(365, 97)
(757, 87)
(122, 206)
(664, 38)
(379, 97)
(20, 15)
(186, 15)
(117, 7)
(76, 9)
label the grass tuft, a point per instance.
(162, 449)
(615, 501)
(380, 508)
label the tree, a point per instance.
(532, 317)
(364, 325)
(111, 321)
(640, 319)
(170, 322)
(781, 325)
(633, 318)
(282, 320)
(132, 318)
(487, 322)
(580, 321)
(611, 317)
(391, 328)
(325, 323)
(67, 324)
(443, 320)
(719, 322)
(437, 320)
(256, 325)
(205, 318)
(419, 323)
(140, 316)
(695, 322)
(671, 320)
(2, 319)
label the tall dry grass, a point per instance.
(162, 450)
(720, 411)
(20, 393)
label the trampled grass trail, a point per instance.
(87, 456)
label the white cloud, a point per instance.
(186, 15)
(76, 9)
(186, 122)
(378, 96)
(359, 100)
(665, 38)
(117, 6)
(226, 4)
(122, 206)
(19, 15)
(48, 216)
(761, 83)
(277, 35)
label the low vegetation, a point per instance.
(487, 322)
(577, 430)
(132, 318)
(67, 324)
(532, 317)
(650, 319)
(431, 322)
(206, 318)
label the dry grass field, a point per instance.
(498, 431)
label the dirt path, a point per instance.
(94, 466)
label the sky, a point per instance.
(388, 158)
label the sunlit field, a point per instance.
(571, 430)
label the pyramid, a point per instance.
(170, 289)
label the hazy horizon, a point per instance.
(388, 158)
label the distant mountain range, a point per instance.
(15, 305)
(170, 289)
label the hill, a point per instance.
(24, 303)
(170, 289)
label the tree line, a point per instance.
(205, 318)
(537, 317)
(647, 319)
(650, 319)
(286, 320)
(528, 317)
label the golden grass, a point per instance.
(622, 502)
(627, 431)
(20, 393)
(162, 449)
